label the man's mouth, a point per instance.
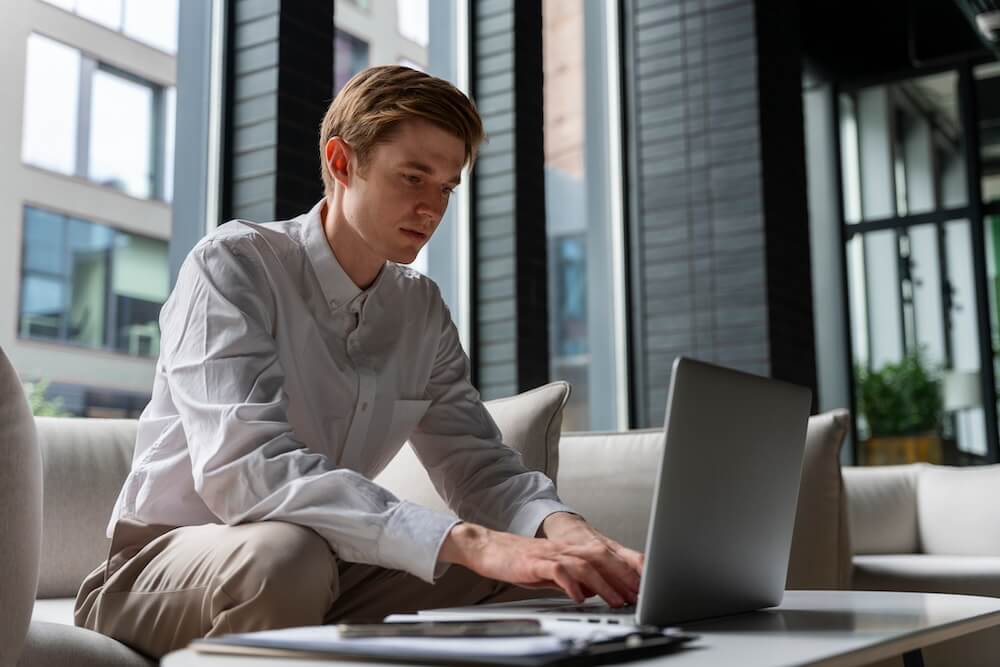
(419, 236)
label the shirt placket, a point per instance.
(365, 404)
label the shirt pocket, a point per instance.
(405, 417)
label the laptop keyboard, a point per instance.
(592, 609)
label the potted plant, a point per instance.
(902, 405)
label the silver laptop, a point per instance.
(723, 509)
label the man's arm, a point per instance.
(485, 482)
(221, 362)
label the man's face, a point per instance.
(397, 200)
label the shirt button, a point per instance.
(364, 406)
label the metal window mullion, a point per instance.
(970, 122)
(88, 68)
(158, 113)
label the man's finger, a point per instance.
(560, 575)
(591, 577)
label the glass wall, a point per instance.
(915, 331)
(583, 209)
(87, 284)
(84, 118)
(988, 107)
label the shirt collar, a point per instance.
(338, 288)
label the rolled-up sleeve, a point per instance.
(224, 375)
(482, 479)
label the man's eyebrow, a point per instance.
(421, 167)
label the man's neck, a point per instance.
(353, 255)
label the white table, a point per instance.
(822, 628)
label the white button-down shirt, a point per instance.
(282, 389)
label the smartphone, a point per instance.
(501, 627)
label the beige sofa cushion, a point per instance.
(20, 513)
(821, 543)
(965, 575)
(609, 479)
(957, 510)
(530, 423)
(85, 463)
(882, 508)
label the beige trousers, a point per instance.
(162, 586)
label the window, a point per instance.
(988, 96)
(412, 20)
(91, 285)
(350, 57)
(86, 119)
(911, 284)
(584, 212)
(51, 105)
(153, 22)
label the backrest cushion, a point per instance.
(20, 513)
(609, 479)
(957, 510)
(529, 422)
(821, 547)
(882, 508)
(85, 463)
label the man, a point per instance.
(296, 358)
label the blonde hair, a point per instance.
(371, 105)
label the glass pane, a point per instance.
(154, 23)
(902, 148)
(580, 210)
(43, 304)
(68, 5)
(121, 134)
(44, 236)
(105, 12)
(51, 93)
(918, 394)
(350, 57)
(988, 107)
(90, 255)
(412, 20)
(139, 287)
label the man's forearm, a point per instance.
(464, 540)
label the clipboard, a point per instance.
(573, 653)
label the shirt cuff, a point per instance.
(411, 540)
(527, 519)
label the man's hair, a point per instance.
(372, 104)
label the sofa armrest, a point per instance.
(882, 508)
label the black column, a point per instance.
(510, 340)
(718, 221)
(280, 66)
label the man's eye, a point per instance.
(448, 191)
(410, 178)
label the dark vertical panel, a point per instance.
(719, 261)
(510, 339)
(281, 80)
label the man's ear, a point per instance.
(338, 160)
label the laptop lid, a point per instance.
(724, 502)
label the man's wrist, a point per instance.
(463, 540)
(557, 522)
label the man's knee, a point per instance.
(282, 575)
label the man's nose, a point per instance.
(431, 210)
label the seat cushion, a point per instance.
(58, 645)
(968, 575)
(20, 512)
(85, 463)
(529, 422)
(54, 610)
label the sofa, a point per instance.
(929, 528)
(73, 468)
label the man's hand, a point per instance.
(573, 557)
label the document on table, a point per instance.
(563, 641)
